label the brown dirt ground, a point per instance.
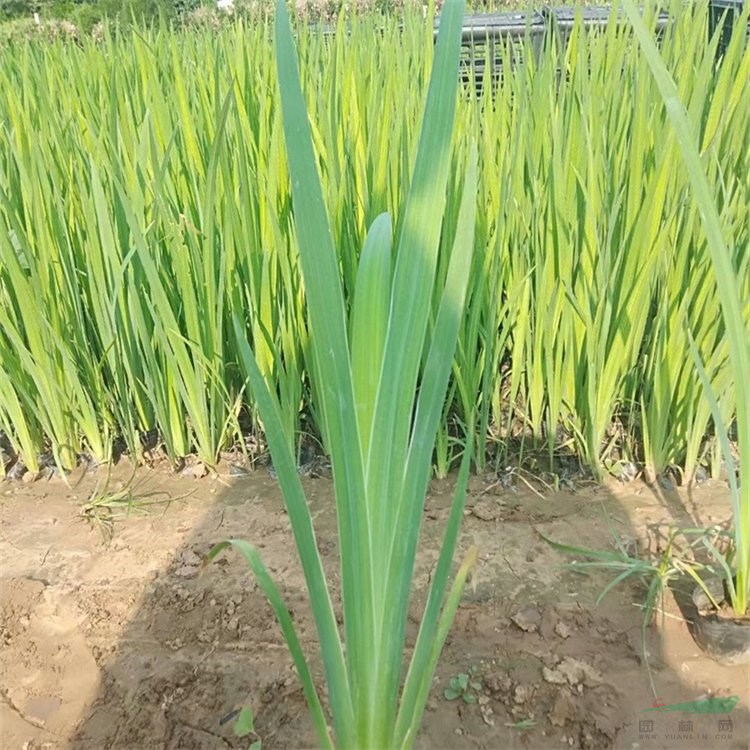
(124, 644)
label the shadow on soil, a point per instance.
(150, 652)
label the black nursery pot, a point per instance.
(724, 639)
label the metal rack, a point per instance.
(493, 40)
(562, 20)
(725, 13)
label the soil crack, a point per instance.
(17, 711)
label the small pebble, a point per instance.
(528, 619)
(28, 477)
(196, 471)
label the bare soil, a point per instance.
(123, 642)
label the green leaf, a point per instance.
(372, 298)
(329, 339)
(429, 409)
(245, 723)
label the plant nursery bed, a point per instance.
(113, 635)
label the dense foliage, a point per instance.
(145, 198)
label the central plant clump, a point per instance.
(380, 429)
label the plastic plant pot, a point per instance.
(725, 638)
